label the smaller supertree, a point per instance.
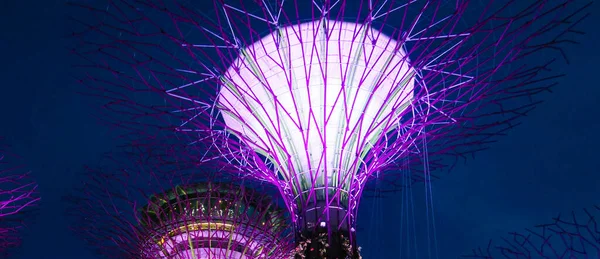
(17, 192)
(149, 204)
(576, 236)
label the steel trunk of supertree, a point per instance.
(320, 96)
(18, 193)
(574, 235)
(150, 205)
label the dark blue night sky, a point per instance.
(545, 166)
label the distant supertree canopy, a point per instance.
(17, 193)
(138, 205)
(573, 236)
(322, 95)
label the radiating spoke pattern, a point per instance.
(322, 96)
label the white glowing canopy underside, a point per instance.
(318, 96)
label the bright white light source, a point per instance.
(313, 100)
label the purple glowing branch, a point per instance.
(18, 198)
(576, 236)
(456, 89)
(320, 98)
(148, 202)
(17, 193)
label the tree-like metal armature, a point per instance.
(320, 96)
(574, 236)
(17, 193)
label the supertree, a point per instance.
(320, 96)
(17, 193)
(574, 236)
(144, 203)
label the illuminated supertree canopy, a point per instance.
(321, 96)
(17, 193)
(567, 236)
(143, 204)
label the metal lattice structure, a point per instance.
(574, 236)
(148, 204)
(320, 96)
(17, 193)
